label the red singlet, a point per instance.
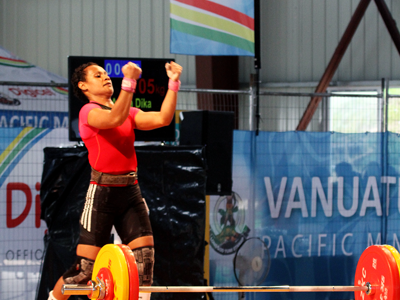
(110, 150)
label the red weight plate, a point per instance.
(105, 275)
(378, 267)
(133, 272)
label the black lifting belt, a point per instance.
(104, 178)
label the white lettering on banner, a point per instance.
(293, 242)
(19, 254)
(317, 189)
(297, 186)
(266, 237)
(320, 244)
(3, 121)
(395, 242)
(33, 121)
(301, 245)
(57, 123)
(280, 247)
(343, 242)
(371, 198)
(353, 209)
(42, 121)
(275, 209)
(378, 239)
(388, 180)
(334, 245)
(13, 118)
(376, 202)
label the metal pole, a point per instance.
(252, 104)
(257, 59)
(257, 101)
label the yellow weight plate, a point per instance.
(112, 258)
(395, 254)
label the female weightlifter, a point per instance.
(113, 197)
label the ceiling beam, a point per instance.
(333, 64)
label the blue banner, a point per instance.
(317, 200)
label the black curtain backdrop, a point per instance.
(172, 180)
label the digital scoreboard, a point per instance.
(150, 92)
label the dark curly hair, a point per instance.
(80, 75)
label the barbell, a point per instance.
(115, 276)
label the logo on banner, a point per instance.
(228, 228)
(31, 92)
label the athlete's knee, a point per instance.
(145, 263)
(80, 272)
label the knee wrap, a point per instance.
(80, 272)
(145, 264)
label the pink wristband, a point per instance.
(174, 85)
(128, 84)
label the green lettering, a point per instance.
(142, 103)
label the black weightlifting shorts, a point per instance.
(106, 206)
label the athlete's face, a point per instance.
(97, 82)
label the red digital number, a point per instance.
(151, 87)
(141, 85)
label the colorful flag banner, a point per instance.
(218, 27)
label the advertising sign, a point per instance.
(316, 200)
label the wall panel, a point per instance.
(357, 47)
(65, 37)
(319, 32)
(54, 34)
(134, 28)
(122, 29)
(99, 27)
(345, 11)
(44, 43)
(305, 42)
(88, 25)
(370, 56)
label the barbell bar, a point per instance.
(115, 276)
(82, 289)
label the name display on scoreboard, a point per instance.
(150, 91)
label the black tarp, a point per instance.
(172, 180)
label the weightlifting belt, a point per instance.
(104, 178)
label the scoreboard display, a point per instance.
(150, 91)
